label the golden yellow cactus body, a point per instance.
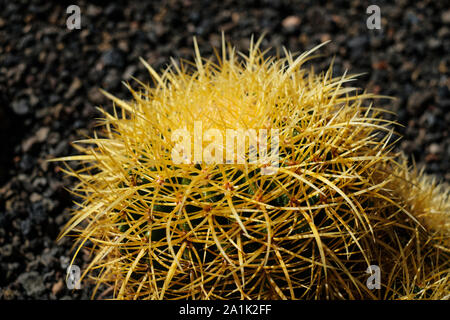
(160, 230)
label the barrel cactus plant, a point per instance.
(337, 201)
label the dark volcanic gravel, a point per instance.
(49, 80)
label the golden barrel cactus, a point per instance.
(308, 225)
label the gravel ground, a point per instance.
(50, 76)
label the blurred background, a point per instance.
(50, 76)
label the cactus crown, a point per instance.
(165, 230)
